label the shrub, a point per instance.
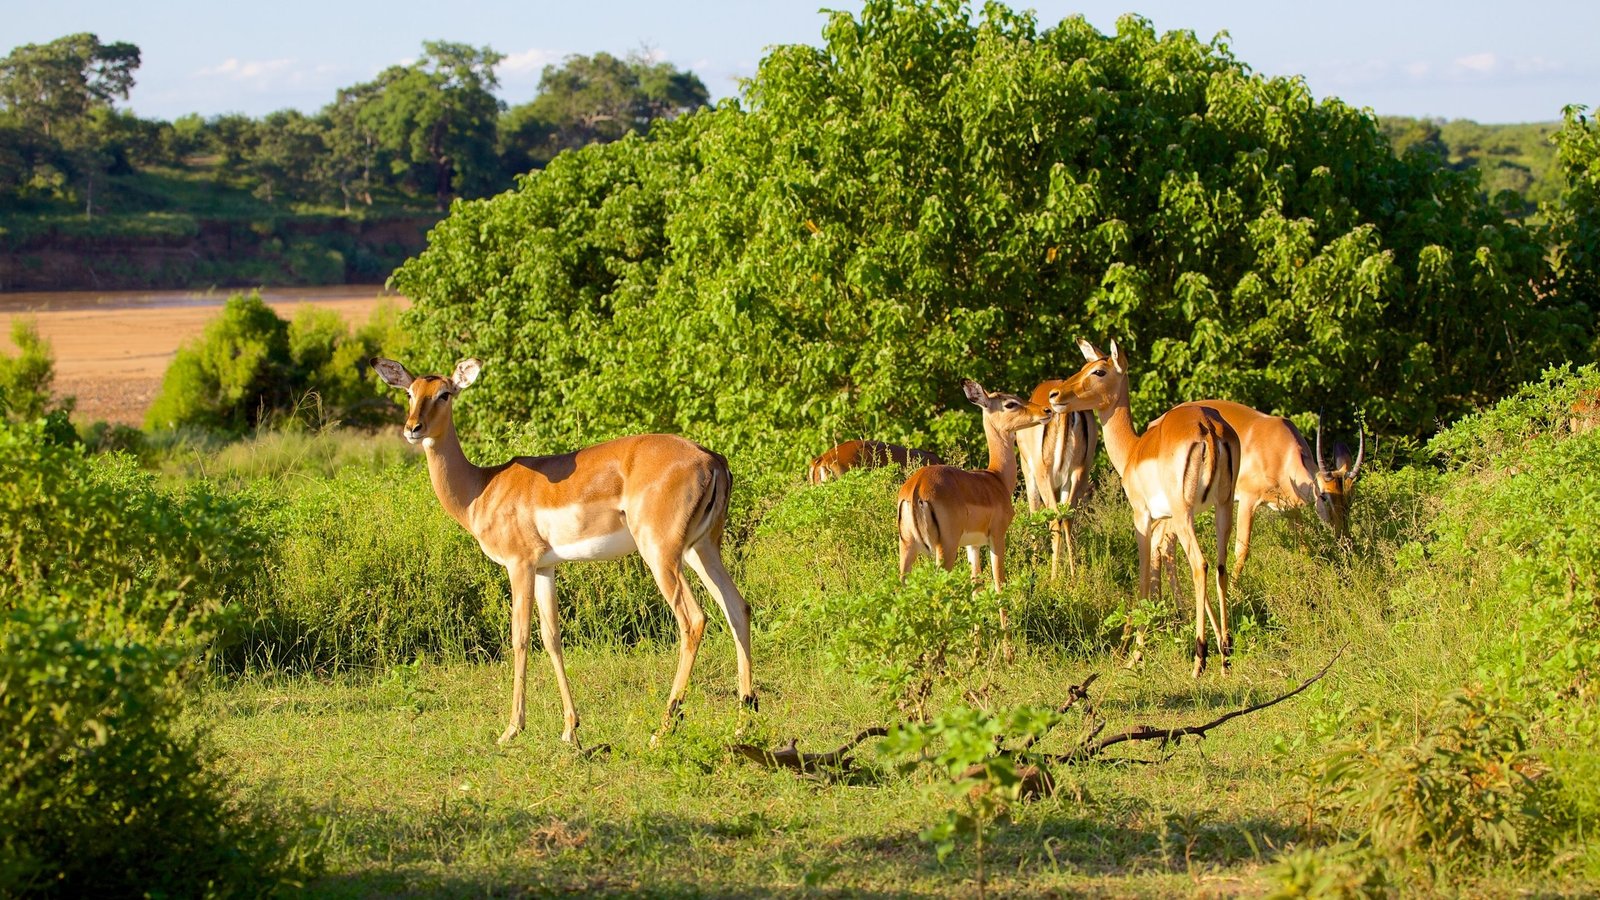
(102, 791)
(228, 376)
(250, 366)
(1460, 785)
(110, 587)
(26, 379)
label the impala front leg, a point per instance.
(544, 592)
(521, 633)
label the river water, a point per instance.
(57, 301)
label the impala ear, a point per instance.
(1119, 359)
(466, 372)
(1089, 352)
(975, 392)
(392, 373)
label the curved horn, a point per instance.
(1361, 449)
(1322, 467)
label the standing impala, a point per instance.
(1056, 460)
(1185, 462)
(1274, 469)
(656, 494)
(944, 508)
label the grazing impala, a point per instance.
(1274, 469)
(1056, 460)
(1184, 463)
(944, 508)
(1339, 483)
(656, 494)
(867, 455)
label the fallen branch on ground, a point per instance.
(789, 756)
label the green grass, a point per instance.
(415, 798)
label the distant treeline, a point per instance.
(1520, 158)
(417, 135)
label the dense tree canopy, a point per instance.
(933, 195)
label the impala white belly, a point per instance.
(615, 545)
(968, 538)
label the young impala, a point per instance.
(866, 455)
(1056, 460)
(1184, 463)
(661, 496)
(944, 508)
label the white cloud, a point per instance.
(1479, 63)
(248, 70)
(529, 61)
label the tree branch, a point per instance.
(789, 757)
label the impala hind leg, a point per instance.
(1184, 528)
(521, 625)
(1224, 636)
(705, 558)
(544, 595)
(664, 565)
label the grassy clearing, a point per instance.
(400, 766)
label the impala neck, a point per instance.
(456, 481)
(1116, 424)
(1002, 454)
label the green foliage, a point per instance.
(102, 790)
(1458, 787)
(961, 745)
(907, 639)
(109, 587)
(75, 523)
(1518, 158)
(250, 365)
(1575, 218)
(227, 377)
(26, 379)
(594, 99)
(1332, 872)
(936, 194)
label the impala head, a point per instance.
(1099, 385)
(1338, 484)
(1007, 412)
(428, 397)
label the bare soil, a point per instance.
(113, 349)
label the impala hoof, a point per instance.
(510, 732)
(750, 703)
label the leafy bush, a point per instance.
(102, 791)
(109, 589)
(908, 639)
(26, 379)
(939, 193)
(249, 365)
(1461, 785)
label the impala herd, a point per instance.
(666, 498)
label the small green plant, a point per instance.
(1461, 787)
(907, 639)
(962, 745)
(26, 379)
(1335, 872)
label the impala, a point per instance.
(1339, 482)
(659, 495)
(1185, 462)
(867, 455)
(1056, 460)
(1274, 469)
(944, 508)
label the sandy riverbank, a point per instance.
(112, 349)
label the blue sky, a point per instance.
(1493, 62)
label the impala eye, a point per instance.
(444, 395)
(1100, 373)
(1011, 404)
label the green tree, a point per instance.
(1574, 218)
(594, 99)
(53, 86)
(935, 194)
(437, 117)
(285, 156)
